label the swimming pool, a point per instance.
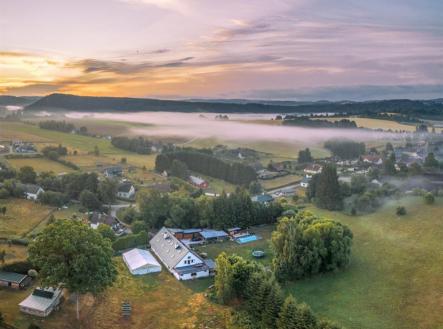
(247, 238)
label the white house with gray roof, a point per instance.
(181, 261)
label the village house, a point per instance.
(140, 262)
(198, 181)
(97, 219)
(126, 191)
(41, 302)
(372, 159)
(178, 258)
(312, 170)
(32, 191)
(115, 171)
(14, 280)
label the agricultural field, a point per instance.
(378, 123)
(21, 217)
(39, 165)
(158, 301)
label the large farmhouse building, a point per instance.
(178, 258)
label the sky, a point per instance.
(254, 49)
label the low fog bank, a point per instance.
(204, 125)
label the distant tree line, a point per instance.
(223, 212)
(62, 126)
(138, 145)
(345, 149)
(304, 121)
(207, 164)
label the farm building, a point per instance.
(198, 181)
(236, 231)
(126, 191)
(14, 280)
(214, 235)
(372, 159)
(141, 262)
(312, 170)
(41, 302)
(32, 191)
(181, 261)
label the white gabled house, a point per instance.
(126, 191)
(140, 262)
(32, 191)
(312, 170)
(181, 261)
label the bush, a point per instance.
(130, 241)
(4, 193)
(401, 211)
(21, 267)
(429, 198)
(32, 273)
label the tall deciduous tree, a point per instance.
(73, 255)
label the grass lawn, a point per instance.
(395, 277)
(270, 184)
(39, 165)
(22, 216)
(158, 301)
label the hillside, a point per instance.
(16, 101)
(64, 102)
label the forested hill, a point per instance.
(64, 102)
(16, 101)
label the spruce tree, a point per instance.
(327, 194)
(288, 315)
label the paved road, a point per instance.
(284, 191)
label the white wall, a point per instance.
(189, 257)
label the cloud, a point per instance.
(178, 6)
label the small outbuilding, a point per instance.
(41, 302)
(140, 262)
(14, 280)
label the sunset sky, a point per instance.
(257, 49)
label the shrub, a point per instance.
(429, 198)
(401, 211)
(130, 241)
(21, 267)
(32, 273)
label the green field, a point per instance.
(22, 216)
(395, 277)
(39, 165)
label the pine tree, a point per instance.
(327, 194)
(305, 317)
(288, 315)
(272, 305)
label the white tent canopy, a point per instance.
(141, 262)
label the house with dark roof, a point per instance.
(97, 218)
(14, 280)
(177, 257)
(32, 191)
(126, 190)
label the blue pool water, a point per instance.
(246, 239)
